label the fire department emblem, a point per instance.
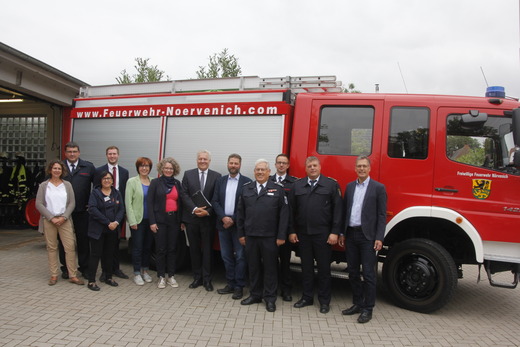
(481, 189)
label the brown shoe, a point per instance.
(76, 280)
(53, 280)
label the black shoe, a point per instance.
(65, 275)
(238, 293)
(195, 284)
(286, 297)
(226, 290)
(208, 286)
(324, 308)
(270, 306)
(250, 300)
(93, 286)
(303, 302)
(351, 310)
(365, 316)
(111, 282)
(120, 274)
(102, 277)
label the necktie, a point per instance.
(202, 180)
(260, 188)
(279, 179)
(114, 175)
(313, 183)
(72, 168)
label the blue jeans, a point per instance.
(233, 256)
(141, 246)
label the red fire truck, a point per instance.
(447, 162)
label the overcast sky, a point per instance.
(413, 46)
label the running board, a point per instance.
(336, 270)
(516, 276)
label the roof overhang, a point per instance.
(29, 76)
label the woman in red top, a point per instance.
(164, 213)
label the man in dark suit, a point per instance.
(120, 175)
(227, 190)
(364, 231)
(80, 174)
(262, 223)
(284, 270)
(316, 203)
(200, 220)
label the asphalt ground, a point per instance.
(35, 314)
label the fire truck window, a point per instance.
(486, 146)
(346, 130)
(409, 133)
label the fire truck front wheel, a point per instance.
(420, 275)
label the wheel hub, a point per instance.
(416, 277)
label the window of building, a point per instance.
(23, 135)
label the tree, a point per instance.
(222, 64)
(145, 73)
(351, 88)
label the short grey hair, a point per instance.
(259, 161)
(204, 151)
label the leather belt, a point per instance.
(171, 213)
(357, 228)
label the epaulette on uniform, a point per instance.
(245, 184)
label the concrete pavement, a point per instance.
(35, 314)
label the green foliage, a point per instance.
(475, 157)
(222, 64)
(145, 73)
(454, 143)
(351, 88)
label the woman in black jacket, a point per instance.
(164, 213)
(106, 210)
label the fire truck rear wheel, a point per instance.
(420, 275)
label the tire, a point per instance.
(419, 275)
(31, 214)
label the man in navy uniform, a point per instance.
(81, 175)
(316, 203)
(281, 177)
(262, 222)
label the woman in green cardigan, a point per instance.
(137, 218)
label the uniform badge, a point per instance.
(481, 188)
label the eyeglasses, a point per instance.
(144, 166)
(282, 163)
(168, 169)
(107, 178)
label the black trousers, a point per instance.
(361, 253)
(102, 249)
(284, 270)
(316, 247)
(166, 239)
(262, 259)
(200, 237)
(80, 221)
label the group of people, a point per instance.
(258, 222)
